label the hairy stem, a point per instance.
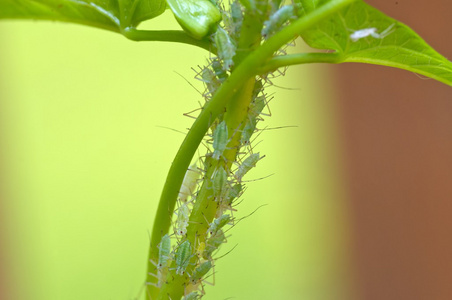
(244, 71)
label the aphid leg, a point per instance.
(387, 31)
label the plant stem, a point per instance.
(244, 71)
(298, 59)
(176, 36)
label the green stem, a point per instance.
(244, 71)
(177, 36)
(299, 59)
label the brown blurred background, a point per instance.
(397, 132)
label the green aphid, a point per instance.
(218, 224)
(164, 257)
(188, 186)
(197, 17)
(225, 48)
(164, 251)
(183, 256)
(210, 79)
(200, 272)
(248, 164)
(220, 140)
(277, 20)
(219, 72)
(213, 243)
(234, 192)
(255, 110)
(220, 183)
(183, 215)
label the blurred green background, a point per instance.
(85, 160)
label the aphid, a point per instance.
(220, 183)
(219, 72)
(183, 255)
(196, 17)
(200, 272)
(191, 296)
(200, 249)
(363, 33)
(164, 257)
(189, 184)
(225, 47)
(220, 140)
(277, 20)
(234, 192)
(248, 164)
(164, 251)
(211, 81)
(255, 110)
(213, 243)
(183, 214)
(226, 202)
(218, 223)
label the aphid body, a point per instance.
(220, 140)
(189, 184)
(255, 110)
(164, 251)
(248, 164)
(234, 192)
(213, 243)
(164, 256)
(277, 20)
(183, 214)
(219, 72)
(200, 272)
(218, 223)
(200, 249)
(225, 47)
(210, 79)
(183, 255)
(220, 183)
(363, 33)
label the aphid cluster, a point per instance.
(189, 253)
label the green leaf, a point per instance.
(398, 47)
(113, 15)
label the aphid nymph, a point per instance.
(183, 255)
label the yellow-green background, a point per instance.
(84, 161)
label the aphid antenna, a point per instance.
(243, 218)
(191, 84)
(217, 258)
(172, 129)
(278, 127)
(260, 178)
(254, 138)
